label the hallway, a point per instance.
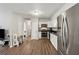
(31, 47)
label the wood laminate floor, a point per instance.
(31, 47)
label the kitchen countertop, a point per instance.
(54, 32)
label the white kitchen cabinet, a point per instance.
(53, 39)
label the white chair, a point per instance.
(20, 39)
(2, 43)
(15, 40)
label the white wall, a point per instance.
(34, 33)
(9, 21)
(20, 24)
(5, 20)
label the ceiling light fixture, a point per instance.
(36, 12)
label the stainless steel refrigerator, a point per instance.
(63, 34)
(68, 31)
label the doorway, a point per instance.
(27, 28)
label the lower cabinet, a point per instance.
(53, 39)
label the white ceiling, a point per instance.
(48, 9)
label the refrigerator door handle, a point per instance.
(66, 33)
